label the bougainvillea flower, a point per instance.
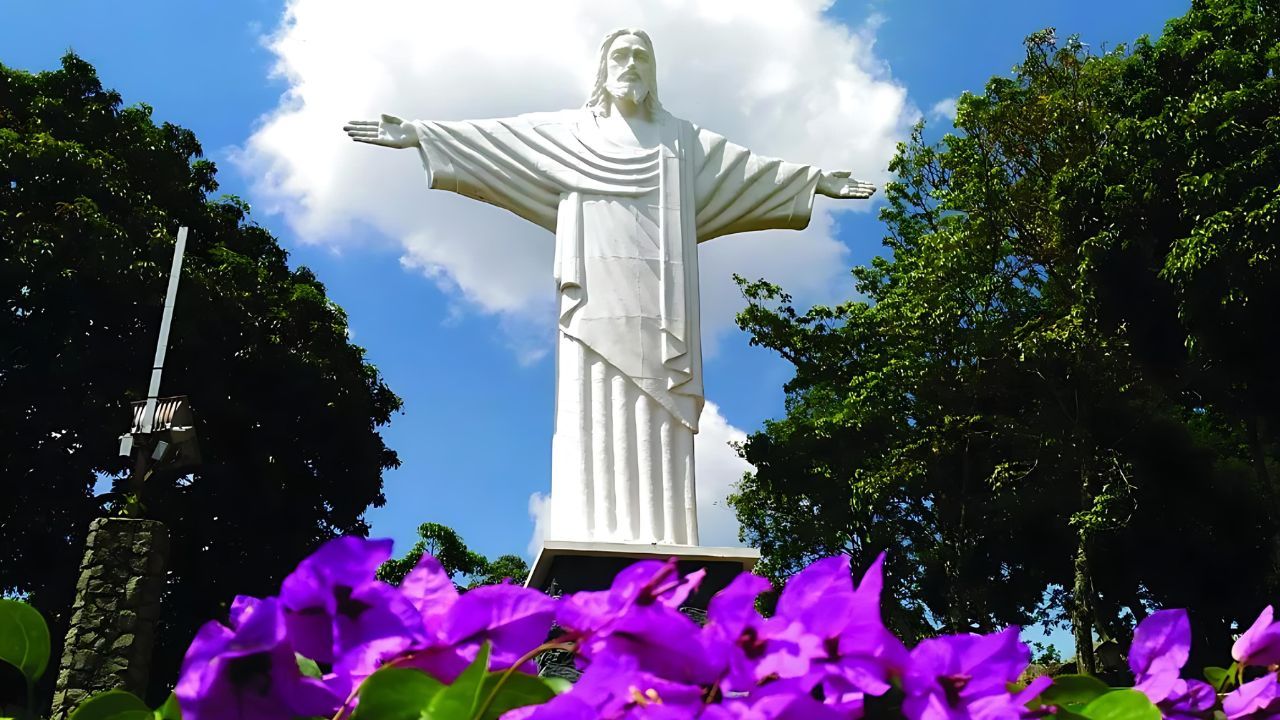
(1256, 700)
(1189, 700)
(334, 603)
(248, 671)
(1260, 644)
(430, 590)
(614, 688)
(839, 639)
(967, 676)
(1161, 645)
(512, 619)
(638, 617)
(735, 631)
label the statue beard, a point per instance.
(634, 90)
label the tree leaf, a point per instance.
(1217, 677)
(519, 690)
(24, 639)
(1125, 704)
(1070, 689)
(394, 693)
(458, 701)
(113, 705)
(169, 710)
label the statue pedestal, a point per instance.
(568, 566)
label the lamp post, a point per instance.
(163, 430)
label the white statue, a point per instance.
(629, 190)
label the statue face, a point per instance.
(629, 68)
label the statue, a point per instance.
(629, 191)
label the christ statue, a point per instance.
(629, 191)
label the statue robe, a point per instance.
(629, 359)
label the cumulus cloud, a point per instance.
(944, 109)
(776, 75)
(717, 468)
(540, 514)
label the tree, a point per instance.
(445, 545)
(989, 413)
(288, 410)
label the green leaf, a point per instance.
(169, 710)
(1071, 689)
(1217, 677)
(519, 690)
(558, 685)
(24, 639)
(394, 693)
(1126, 704)
(113, 705)
(307, 666)
(459, 700)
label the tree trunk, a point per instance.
(1082, 613)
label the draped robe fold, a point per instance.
(629, 359)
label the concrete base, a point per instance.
(568, 566)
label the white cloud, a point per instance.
(778, 76)
(540, 514)
(717, 468)
(944, 109)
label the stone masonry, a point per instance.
(114, 617)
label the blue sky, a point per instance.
(467, 351)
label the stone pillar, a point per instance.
(114, 616)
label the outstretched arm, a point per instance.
(389, 131)
(840, 186)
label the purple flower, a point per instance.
(781, 706)
(452, 627)
(248, 671)
(333, 603)
(614, 688)
(512, 619)
(1161, 645)
(1260, 644)
(832, 634)
(967, 676)
(1256, 700)
(430, 590)
(735, 631)
(639, 617)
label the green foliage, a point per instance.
(1062, 361)
(1068, 690)
(445, 545)
(24, 639)
(1123, 704)
(503, 568)
(288, 410)
(113, 705)
(24, 644)
(394, 693)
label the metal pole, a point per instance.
(157, 367)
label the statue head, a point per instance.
(628, 70)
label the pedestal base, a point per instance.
(568, 566)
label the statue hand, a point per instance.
(839, 185)
(389, 131)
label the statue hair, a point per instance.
(601, 101)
